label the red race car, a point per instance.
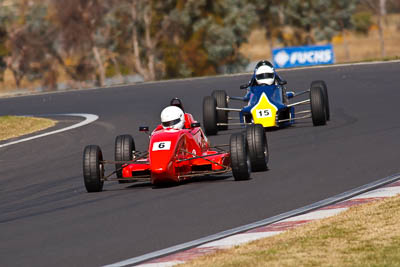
(177, 151)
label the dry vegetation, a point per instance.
(361, 47)
(15, 126)
(365, 235)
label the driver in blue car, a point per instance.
(265, 74)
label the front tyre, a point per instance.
(210, 115)
(124, 146)
(317, 103)
(240, 162)
(258, 147)
(93, 168)
(222, 115)
(324, 87)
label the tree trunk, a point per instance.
(381, 12)
(381, 17)
(150, 45)
(100, 65)
(381, 36)
(345, 43)
(269, 39)
(17, 77)
(135, 43)
(382, 8)
(60, 60)
(117, 68)
(49, 82)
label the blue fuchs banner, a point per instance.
(288, 57)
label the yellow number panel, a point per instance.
(264, 112)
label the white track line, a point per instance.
(238, 239)
(89, 118)
(315, 215)
(381, 192)
(163, 264)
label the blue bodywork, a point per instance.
(274, 95)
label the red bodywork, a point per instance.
(174, 155)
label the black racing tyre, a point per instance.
(317, 103)
(222, 116)
(258, 147)
(124, 145)
(285, 99)
(210, 115)
(240, 161)
(93, 168)
(324, 87)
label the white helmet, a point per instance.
(172, 117)
(265, 75)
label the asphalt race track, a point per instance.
(48, 219)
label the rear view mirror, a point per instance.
(244, 86)
(195, 124)
(289, 94)
(282, 82)
(144, 128)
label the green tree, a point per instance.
(378, 7)
(362, 21)
(30, 42)
(270, 15)
(211, 34)
(303, 22)
(319, 19)
(5, 17)
(82, 30)
(178, 38)
(90, 38)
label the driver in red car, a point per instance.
(174, 117)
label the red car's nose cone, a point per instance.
(159, 170)
(162, 172)
(162, 152)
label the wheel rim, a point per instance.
(101, 170)
(265, 153)
(248, 165)
(248, 161)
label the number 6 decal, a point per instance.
(165, 145)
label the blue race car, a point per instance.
(267, 103)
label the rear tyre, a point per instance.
(222, 116)
(322, 84)
(258, 147)
(93, 168)
(124, 145)
(240, 161)
(210, 115)
(318, 110)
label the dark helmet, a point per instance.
(177, 103)
(264, 63)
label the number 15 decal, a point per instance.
(165, 145)
(263, 113)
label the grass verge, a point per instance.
(15, 126)
(364, 235)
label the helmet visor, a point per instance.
(171, 123)
(266, 75)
